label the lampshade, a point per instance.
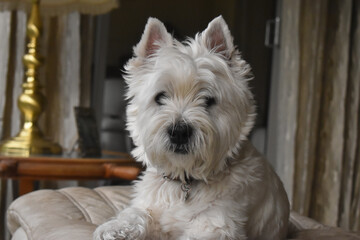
(59, 7)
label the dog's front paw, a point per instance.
(118, 230)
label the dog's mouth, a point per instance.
(180, 149)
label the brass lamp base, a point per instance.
(31, 102)
(29, 142)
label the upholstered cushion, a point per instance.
(69, 213)
(74, 213)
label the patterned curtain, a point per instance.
(314, 132)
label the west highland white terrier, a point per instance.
(190, 112)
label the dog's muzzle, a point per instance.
(180, 135)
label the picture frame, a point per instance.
(88, 135)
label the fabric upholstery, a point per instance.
(69, 213)
(73, 213)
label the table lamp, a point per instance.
(30, 139)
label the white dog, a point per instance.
(189, 115)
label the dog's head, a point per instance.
(189, 103)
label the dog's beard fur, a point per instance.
(188, 74)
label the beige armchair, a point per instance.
(73, 213)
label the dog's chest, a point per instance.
(179, 218)
(174, 216)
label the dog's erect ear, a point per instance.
(154, 37)
(217, 37)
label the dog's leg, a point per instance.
(131, 223)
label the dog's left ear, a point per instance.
(217, 37)
(154, 37)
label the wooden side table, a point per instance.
(29, 169)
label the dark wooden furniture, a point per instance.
(29, 169)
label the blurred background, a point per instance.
(304, 55)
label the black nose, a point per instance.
(180, 133)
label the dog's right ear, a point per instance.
(154, 37)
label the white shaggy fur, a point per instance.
(234, 192)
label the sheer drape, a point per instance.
(314, 132)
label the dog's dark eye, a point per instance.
(210, 101)
(159, 97)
